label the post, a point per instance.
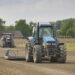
(38, 33)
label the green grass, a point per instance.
(70, 46)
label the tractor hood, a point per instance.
(48, 39)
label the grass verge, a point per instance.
(70, 46)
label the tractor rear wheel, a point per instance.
(61, 57)
(3, 44)
(28, 52)
(37, 54)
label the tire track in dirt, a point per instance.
(44, 68)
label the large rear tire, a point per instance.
(61, 57)
(3, 44)
(37, 54)
(28, 52)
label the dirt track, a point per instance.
(20, 67)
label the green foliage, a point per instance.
(2, 24)
(23, 27)
(9, 28)
(68, 28)
(65, 28)
(71, 32)
(31, 26)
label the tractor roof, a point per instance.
(7, 33)
(43, 24)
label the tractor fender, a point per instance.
(60, 44)
(31, 40)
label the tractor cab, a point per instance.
(7, 36)
(44, 32)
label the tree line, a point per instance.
(21, 25)
(65, 28)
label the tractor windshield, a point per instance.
(6, 36)
(46, 31)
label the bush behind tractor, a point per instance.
(44, 44)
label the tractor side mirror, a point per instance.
(13, 35)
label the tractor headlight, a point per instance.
(49, 44)
(44, 44)
(53, 43)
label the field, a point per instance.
(70, 43)
(70, 46)
(20, 67)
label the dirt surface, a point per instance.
(21, 67)
(67, 40)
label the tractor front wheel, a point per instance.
(37, 54)
(61, 57)
(28, 52)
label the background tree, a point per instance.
(67, 28)
(71, 32)
(9, 28)
(31, 27)
(23, 27)
(2, 22)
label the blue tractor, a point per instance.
(44, 44)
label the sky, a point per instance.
(36, 10)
